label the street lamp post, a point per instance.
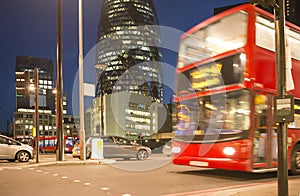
(36, 112)
(81, 90)
(279, 20)
(59, 86)
(282, 172)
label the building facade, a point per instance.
(128, 69)
(24, 80)
(24, 114)
(293, 11)
(127, 46)
(125, 114)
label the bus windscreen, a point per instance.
(226, 71)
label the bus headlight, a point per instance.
(176, 149)
(229, 151)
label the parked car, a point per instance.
(12, 150)
(115, 147)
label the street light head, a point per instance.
(31, 87)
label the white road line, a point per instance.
(64, 177)
(105, 188)
(87, 184)
(55, 174)
(76, 181)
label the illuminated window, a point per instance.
(216, 38)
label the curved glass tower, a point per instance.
(128, 56)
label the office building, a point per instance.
(127, 49)
(127, 67)
(293, 11)
(24, 80)
(24, 114)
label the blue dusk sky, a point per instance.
(28, 28)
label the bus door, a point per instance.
(265, 137)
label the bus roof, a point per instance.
(248, 7)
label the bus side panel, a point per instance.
(212, 155)
(264, 70)
(296, 78)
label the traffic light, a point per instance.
(33, 131)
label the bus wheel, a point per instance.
(295, 161)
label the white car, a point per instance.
(13, 150)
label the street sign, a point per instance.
(284, 108)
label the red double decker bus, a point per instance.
(225, 83)
(48, 143)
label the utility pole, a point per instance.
(81, 90)
(36, 113)
(282, 172)
(59, 86)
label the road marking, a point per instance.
(1, 169)
(64, 177)
(39, 171)
(87, 184)
(105, 188)
(55, 174)
(126, 194)
(76, 181)
(46, 172)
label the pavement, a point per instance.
(251, 189)
(51, 159)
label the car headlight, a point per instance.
(229, 151)
(176, 149)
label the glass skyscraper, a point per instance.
(128, 55)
